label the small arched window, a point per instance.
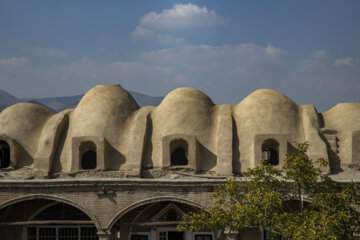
(4, 154)
(270, 152)
(179, 152)
(88, 155)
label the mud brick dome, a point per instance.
(108, 169)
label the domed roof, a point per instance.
(269, 97)
(102, 97)
(103, 107)
(23, 116)
(184, 95)
(184, 109)
(343, 116)
(267, 110)
(23, 122)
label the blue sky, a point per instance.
(308, 50)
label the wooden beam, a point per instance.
(48, 222)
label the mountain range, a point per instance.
(58, 104)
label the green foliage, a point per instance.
(268, 198)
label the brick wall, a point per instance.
(106, 200)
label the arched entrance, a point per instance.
(155, 221)
(4, 154)
(270, 151)
(45, 219)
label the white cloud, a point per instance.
(162, 70)
(236, 58)
(79, 76)
(141, 32)
(133, 67)
(319, 61)
(318, 73)
(182, 16)
(153, 26)
(319, 54)
(90, 70)
(310, 64)
(226, 73)
(167, 39)
(48, 52)
(13, 62)
(342, 62)
(180, 79)
(273, 51)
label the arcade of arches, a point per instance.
(43, 219)
(104, 209)
(109, 169)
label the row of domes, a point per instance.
(110, 112)
(111, 104)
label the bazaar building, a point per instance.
(109, 169)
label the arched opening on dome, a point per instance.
(179, 152)
(4, 154)
(87, 151)
(270, 152)
(45, 219)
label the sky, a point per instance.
(308, 50)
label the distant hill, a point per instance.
(37, 102)
(58, 104)
(6, 99)
(145, 100)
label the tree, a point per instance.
(264, 199)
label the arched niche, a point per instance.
(4, 154)
(270, 152)
(87, 155)
(88, 152)
(179, 152)
(271, 148)
(10, 153)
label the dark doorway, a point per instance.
(179, 157)
(179, 152)
(4, 154)
(88, 160)
(270, 152)
(271, 156)
(173, 235)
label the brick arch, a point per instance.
(135, 205)
(52, 198)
